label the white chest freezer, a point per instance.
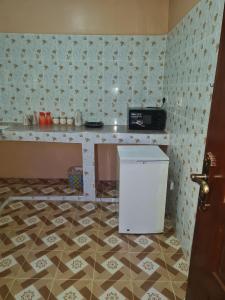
(142, 184)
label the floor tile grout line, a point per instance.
(153, 283)
(171, 283)
(131, 276)
(132, 287)
(168, 274)
(54, 279)
(14, 280)
(92, 282)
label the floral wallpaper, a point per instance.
(190, 66)
(99, 75)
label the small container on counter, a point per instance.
(78, 118)
(48, 118)
(28, 120)
(55, 120)
(35, 118)
(69, 121)
(41, 118)
(62, 121)
(25, 120)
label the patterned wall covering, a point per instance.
(100, 75)
(189, 71)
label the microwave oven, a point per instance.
(149, 118)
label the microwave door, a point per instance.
(147, 120)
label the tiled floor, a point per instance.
(106, 189)
(62, 250)
(36, 187)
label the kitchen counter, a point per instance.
(88, 137)
(76, 129)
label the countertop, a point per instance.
(71, 134)
(75, 129)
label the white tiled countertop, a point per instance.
(106, 129)
(85, 136)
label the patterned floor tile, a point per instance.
(112, 266)
(86, 222)
(41, 206)
(30, 221)
(11, 263)
(83, 240)
(54, 240)
(168, 242)
(112, 222)
(8, 263)
(173, 242)
(148, 266)
(4, 190)
(13, 239)
(109, 211)
(92, 214)
(148, 290)
(111, 240)
(86, 209)
(89, 207)
(22, 217)
(34, 187)
(5, 286)
(32, 289)
(56, 223)
(106, 189)
(76, 265)
(180, 288)
(143, 243)
(16, 205)
(71, 290)
(21, 239)
(26, 190)
(107, 208)
(48, 190)
(65, 206)
(177, 266)
(7, 221)
(107, 223)
(54, 210)
(60, 220)
(118, 290)
(1, 242)
(40, 264)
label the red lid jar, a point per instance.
(41, 118)
(48, 118)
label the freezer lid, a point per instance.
(142, 153)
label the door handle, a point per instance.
(201, 179)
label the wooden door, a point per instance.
(207, 269)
